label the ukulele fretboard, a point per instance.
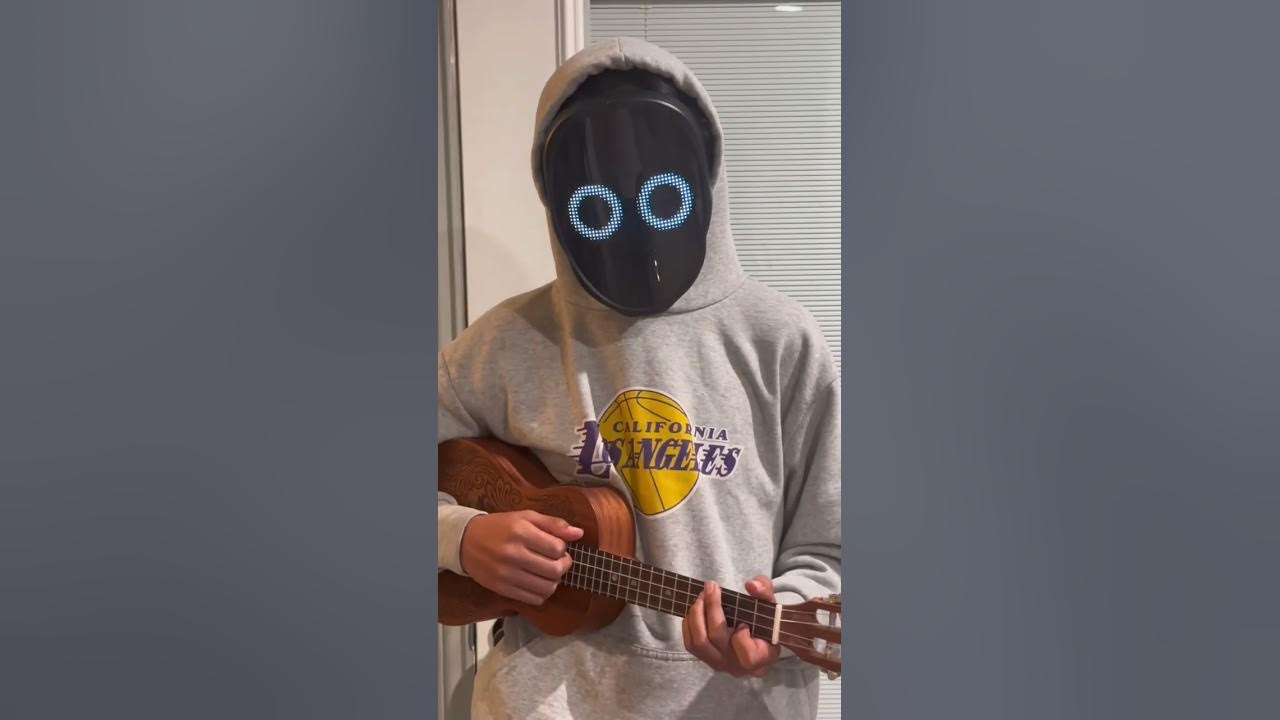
(638, 583)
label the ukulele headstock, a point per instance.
(811, 630)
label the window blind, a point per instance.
(775, 80)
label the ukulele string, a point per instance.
(593, 553)
(755, 625)
(689, 594)
(760, 622)
(599, 583)
(758, 619)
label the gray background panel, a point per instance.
(217, 255)
(1062, 335)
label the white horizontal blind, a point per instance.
(775, 80)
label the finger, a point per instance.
(542, 542)
(684, 635)
(543, 567)
(555, 526)
(520, 594)
(538, 586)
(569, 533)
(761, 587)
(764, 656)
(563, 565)
(717, 629)
(752, 654)
(700, 647)
(697, 623)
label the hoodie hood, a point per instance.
(721, 273)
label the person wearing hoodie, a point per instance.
(653, 364)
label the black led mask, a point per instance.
(626, 169)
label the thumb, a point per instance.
(556, 526)
(761, 587)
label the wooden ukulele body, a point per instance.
(493, 476)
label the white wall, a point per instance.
(506, 51)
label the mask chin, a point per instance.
(632, 301)
(635, 312)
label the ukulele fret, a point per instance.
(638, 583)
(615, 577)
(610, 577)
(602, 580)
(629, 582)
(647, 583)
(668, 592)
(597, 564)
(680, 605)
(605, 587)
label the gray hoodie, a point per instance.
(723, 414)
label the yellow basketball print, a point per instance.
(651, 440)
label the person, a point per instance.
(654, 364)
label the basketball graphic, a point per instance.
(647, 438)
(650, 439)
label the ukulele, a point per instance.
(493, 476)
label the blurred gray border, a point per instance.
(456, 656)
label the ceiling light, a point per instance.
(787, 8)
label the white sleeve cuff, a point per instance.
(453, 521)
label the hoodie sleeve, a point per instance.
(454, 421)
(808, 560)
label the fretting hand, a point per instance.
(520, 555)
(732, 650)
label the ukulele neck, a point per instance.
(602, 573)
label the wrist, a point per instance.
(462, 545)
(453, 523)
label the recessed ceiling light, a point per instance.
(787, 8)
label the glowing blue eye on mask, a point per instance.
(575, 214)
(686, 201)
